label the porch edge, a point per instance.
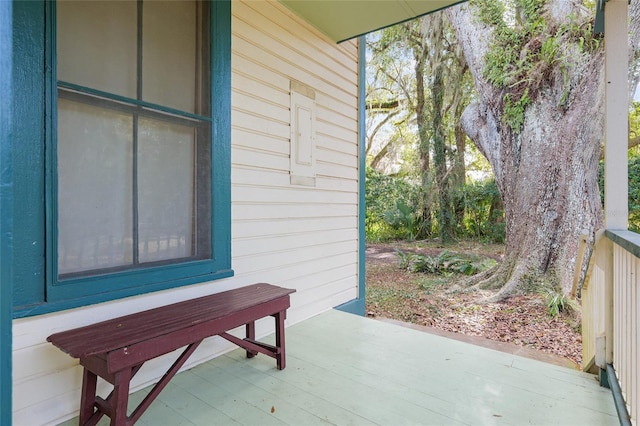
(618, 399)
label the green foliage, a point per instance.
(526, 50)
(491, 12)
(548, 287)
(404, 217)
(581, 33)
(530, 9)
(549, 51)
(634, 194)
(389, 207)
(419, 65)
(389, 298)
(405, 259)
(557, 303)
(392, 210)
(445, 263)
(634, 123)
(514, 108)
(484, 214)
(517, 49)
(535, 282)
(430, 285)
(634, 189)
(500, 70)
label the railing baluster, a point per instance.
(611, 283)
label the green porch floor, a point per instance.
(344, 369)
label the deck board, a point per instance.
(348, 370)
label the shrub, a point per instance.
(484, 213)
(390, 207)
(634, 190)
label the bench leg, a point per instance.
(151, 396)
(88, 397)
(280, 356)
(120, 397)
(251, 335)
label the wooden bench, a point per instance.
(116, 349)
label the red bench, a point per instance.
(116, 349)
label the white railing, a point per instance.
(594, 295)
(610, 318)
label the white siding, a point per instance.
(300, 237)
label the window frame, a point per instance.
(74, 292)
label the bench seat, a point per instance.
(116, 349)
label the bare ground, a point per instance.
(425, 300)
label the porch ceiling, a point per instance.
(344, 19)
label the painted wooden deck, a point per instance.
(348, 370)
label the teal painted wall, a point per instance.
(6, 214)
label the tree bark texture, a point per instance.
(634, 45)
(547, 172)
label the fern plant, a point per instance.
(445, 263)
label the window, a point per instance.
(133, 135)
(139, 171)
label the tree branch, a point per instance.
(377, 129)
(382, 105)
(380, 155)
(631, 143)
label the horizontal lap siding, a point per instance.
(294, 236)
(303, 236)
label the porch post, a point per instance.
(6, 206)
(362, 152)
(616, 211)
(357, 306)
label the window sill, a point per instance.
(49, 307)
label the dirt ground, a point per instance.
(424, 299)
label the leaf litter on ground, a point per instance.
(395, 292)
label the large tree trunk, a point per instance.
(547, 171)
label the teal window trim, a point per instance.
(6, 215)
(27, 143)
(66, 294)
